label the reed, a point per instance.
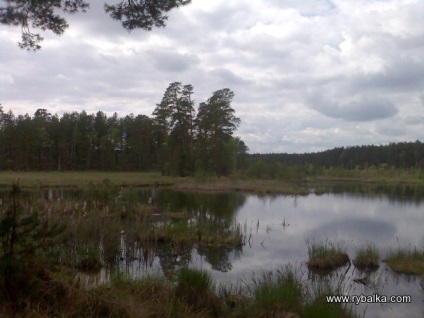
(277, 293)
(367, 258)
(326, 255)
(318, 307)
(195, 287)
(406, 261)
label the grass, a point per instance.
(278, 293)
(326, 255)
(409, 261)
(190, 294)
(320, 308)
(82, 178)
(195, 288)
(367, 258)
(126, 179)
(298, 186)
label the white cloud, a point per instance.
(307, 75)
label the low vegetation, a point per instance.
(192, 294)
(279, 293)
(367, 258)
(318, 307)
(407, 261)
(326, 255)
(45, 243)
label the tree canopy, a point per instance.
(174, 140)
(45, 15)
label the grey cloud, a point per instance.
(402, 75)
(414, 120)
(392, 131)
(171, 61)
(274, 55)
(366, 108)
(229, 77)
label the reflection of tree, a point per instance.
(212, 215)
(223, 205)
(217, 256)
(172, 256)
(395, 193)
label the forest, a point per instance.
(175, 140)
(371, 159)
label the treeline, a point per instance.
(175, 139)
(403, 155)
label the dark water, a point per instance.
(276, 228)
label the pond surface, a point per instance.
(276, 229)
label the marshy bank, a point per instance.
(192, 293)
(397, 183)
(131, 234)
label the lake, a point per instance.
(276, 229)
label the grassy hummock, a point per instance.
(409, 261)
(367, 258)
(326, 255)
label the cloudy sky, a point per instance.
(307, 75)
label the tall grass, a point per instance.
(406, 261)
(318, 307)
(366, 259)
(277, 292)
(195, 287)
(326, 255)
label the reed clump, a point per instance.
(407, 261)
(367, 258)
(195, 287)
(277, 294)
(326, 255)
(318, 306)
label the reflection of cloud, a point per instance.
(361, 228)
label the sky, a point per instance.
(307, 75)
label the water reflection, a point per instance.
(274, 227)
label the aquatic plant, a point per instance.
(276, 293)
(367, 258)
(319, 307)
(326, 255)
(406, 261)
